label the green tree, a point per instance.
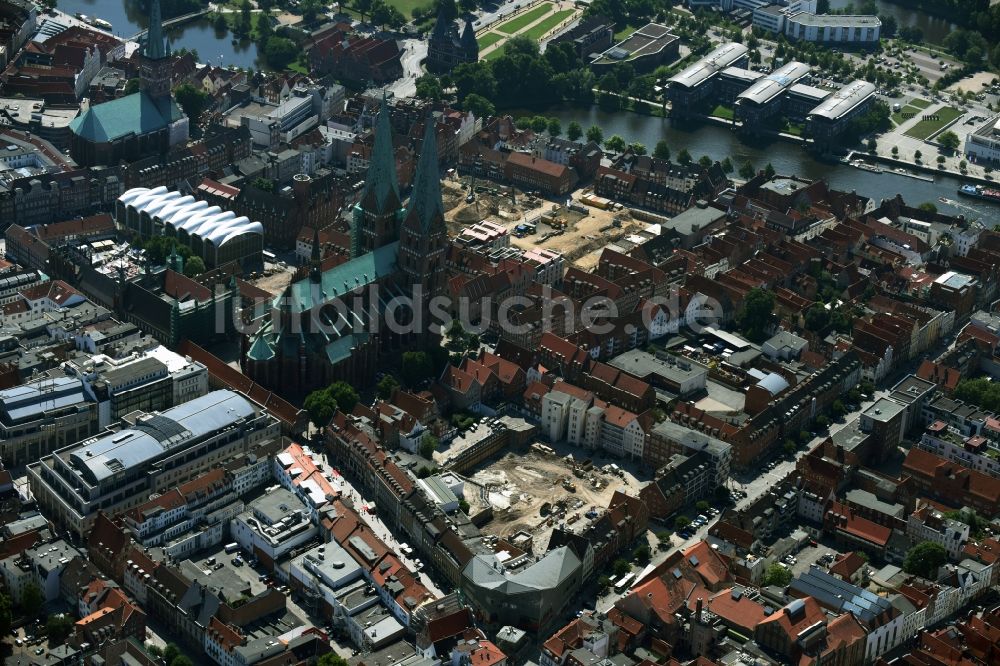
(220, 24)
(615, 144)
(386, 386)
(191, 99)
(429, 87)
(603, 583)
(895, 151)
(702, 506)
(621, 567)
(747, 171)
(838, 408)
(428, 445)
(662, 150)
(264, 28)
(684, 157)
(321, 406)
(595, 134)
(363, 7)
(344, 395)
(680, 522)
(131, 86)
(194, 266)
(727, 165)
(948, 140)
(181, 661)
(769, 171)
(924, 559)
(464, 506)
(817, 317)
(416, 367)
(539, 124)
(554, 127)
(331, 659)
(822, 422)
(478, 105)
(244, 23)
(755, 317)
(424, 472)
(574, 131)
(790, 446)
(928, 206)
(663, 537)
(917, 155)
(32, 600)
(637, 148)
(263, 184)
(777, 575)
(58, 627)
(170, 652)
(280, 52)
(641, 554)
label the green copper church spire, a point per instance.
(156, 44)
(381, 179)
(425, 200)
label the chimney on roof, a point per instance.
(698, 606)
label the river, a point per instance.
(127, 18)
(787, 158)
(935, 28)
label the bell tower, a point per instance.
(375, 218)
(423, 238)
(154, 76)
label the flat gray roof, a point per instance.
(704, 69)
(643, 364)
(836, 20)
(155, 434)
(772, 85)
(845, 99)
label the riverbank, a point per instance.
(925, 168)
(717, 142)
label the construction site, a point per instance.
(539, 491)
(575, 228)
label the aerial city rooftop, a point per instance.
(318, 347)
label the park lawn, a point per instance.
(905, 114)
(538, 30)
(516, 24)
(793, 129)
(624, 32)
(722, 111)
(406, 7)
(919, 103)
(495, 53)
(489, 39)
(926, 128)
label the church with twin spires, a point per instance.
(142, 124)
(334, 324)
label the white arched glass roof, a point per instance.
(210, 223)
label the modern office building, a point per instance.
(833, 115)
(152, 452)
(645, 49)
(696, 83)
(834, 28)
(763, 99)
(983, 145)
(44, 415)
